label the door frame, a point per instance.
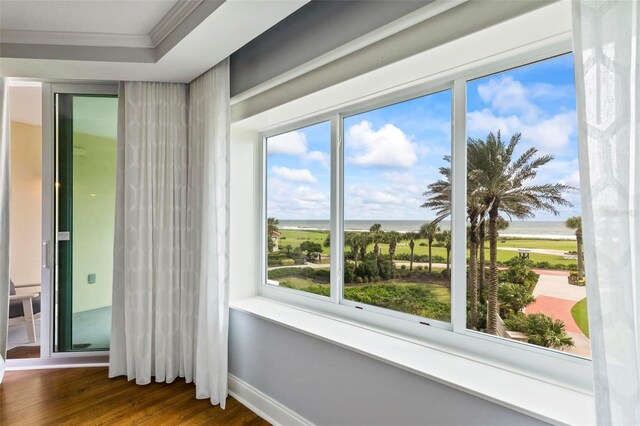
(49, 219)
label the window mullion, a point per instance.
(458, 208)
(337, 224)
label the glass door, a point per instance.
(84, 209)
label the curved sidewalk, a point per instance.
(555, 297)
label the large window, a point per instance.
(298, 209)
(397, 254)
(526, 276)
(456, 207)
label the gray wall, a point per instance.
(311, 31)
(330, 385)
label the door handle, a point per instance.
(45, 255)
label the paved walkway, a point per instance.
(534, 250)
(555, 297)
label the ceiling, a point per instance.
(84, 16)
(155, 40)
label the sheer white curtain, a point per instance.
(209, 191)
(608, 90)
(4, 220)
(170, 307)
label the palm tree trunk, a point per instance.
(580, 254)
(354, 250)
(481, 273)
(430, 255)
(448, 257)
(492, 308)
(411, 246)
(473, 273)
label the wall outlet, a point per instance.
(91, 279)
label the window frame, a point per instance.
(454, 337)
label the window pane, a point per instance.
(396, 250)
(523, 201)
(298, 209)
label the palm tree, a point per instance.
(411, 236)
(504, 186)
(392, 238)
(429, 231)
(444, 237)
(482, 233)
(272, 226)
(439, 199)
(351, 239)
(575, 222)
(365, 240)
(376, 236)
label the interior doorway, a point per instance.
(25, 304)
(62, 216)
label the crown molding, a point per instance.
(172, 19)
(65, 38)
(181, 10)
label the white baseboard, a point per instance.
(263, 405)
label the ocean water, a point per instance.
(552, 229)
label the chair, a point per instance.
(24, 307)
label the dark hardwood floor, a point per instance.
(23, 352)
(86, 396)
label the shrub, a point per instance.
(422, 244)
(412, 299)
(446, 273)
(513, 298)
(520, 272)
(359, 280)
(403, 267)
(419, 268)
(541, 330)
(349, 272)
(287, 262)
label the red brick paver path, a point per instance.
(556, 308)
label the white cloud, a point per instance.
(317, 156)
(507, 95)
(296, 175)
(291, 143)
(387, 146)
(550, 135)
(553, 134)
(573, 179)
(286, 200)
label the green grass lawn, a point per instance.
(442, 294)
(564, 245)
(294, 237)
(580, 316)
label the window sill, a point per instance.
(540, 399)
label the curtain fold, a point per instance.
(170, 305)
(209, 141)
(5, 150)
(607, 56)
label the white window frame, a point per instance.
(549, 364)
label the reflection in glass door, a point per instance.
(85, 186)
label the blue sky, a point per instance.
(393, 153)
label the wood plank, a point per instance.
(86, 396)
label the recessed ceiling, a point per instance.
(109, 17)
(155, 40)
